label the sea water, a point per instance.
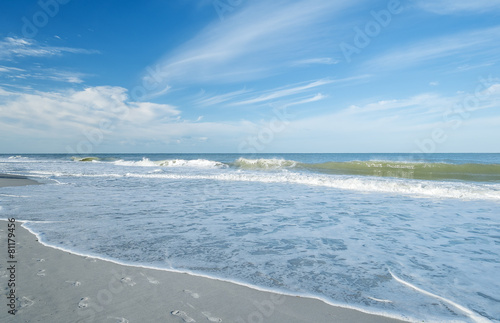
(410, 236)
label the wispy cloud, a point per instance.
(47, 115)
(281, 96)
(395, 124)
(50, 74)
(255, 42)
(317, 97)
(284, 92)
(311, 61)
(222, 98)
(19, 47)
(459, 6)
(8, 69)
(479, 42)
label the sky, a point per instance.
(249, 76)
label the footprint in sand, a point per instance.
(118, 319)
(192, 294)
(183, 316)
(150, 279)
(84, 302)
(25, 302)
(74, 283)
(211, 318)
(127, 281)
(41, 273)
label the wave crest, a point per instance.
(272, 163)
(194, 163)
(412, 170)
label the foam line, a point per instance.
(268, 290)
(418, 188)
(469, 313)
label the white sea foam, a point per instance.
(298, 228)
(398, 186)
(477, 318)
(18, 157)
(196, 163)
(416, 188)
(262, 163)
(40, 239)
(9, 195)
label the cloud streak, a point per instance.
(257, 41)
(444, 7)
(280, 93)
(477, 42)
(11, 47)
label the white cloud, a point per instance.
(279, 93)
(218, 99)
(74, 111)
(310, 61)
(8, 69)
(63, 119)
(478, 42)
(295, 89)
(395, 125)
(20, 47)
(254, 42)
(52, 75)
(282, 96)
(392, 124)
(317, 97)
(444, 7)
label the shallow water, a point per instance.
(424, 246)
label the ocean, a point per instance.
(409, 236)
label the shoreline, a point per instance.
(55, 284)
(67, 287)
(7, 180)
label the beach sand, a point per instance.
(57, 286)
(15, 180)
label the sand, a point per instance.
(54, 286)
(15, 180)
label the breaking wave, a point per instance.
(378, 168)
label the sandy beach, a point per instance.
(52, 285)
(15, 180)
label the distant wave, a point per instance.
(412, 170)
(146, 162)
(382, 168)
(18, 157)
(377, 168)
(273, 163)
(93, 159)
(195, 163)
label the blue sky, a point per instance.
(249, 76)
